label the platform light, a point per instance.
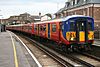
(97, 25)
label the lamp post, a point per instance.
(1, 18)
(98, 31)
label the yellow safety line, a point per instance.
(15, 54)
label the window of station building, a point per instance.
(78, 1)
(73, 2)
(53, 27)
(85, 0)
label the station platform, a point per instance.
(97, 43)
(12, 53)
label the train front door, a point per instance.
(81, 31)
(48, 30)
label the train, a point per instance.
(70, 33)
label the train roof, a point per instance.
(61, 19)
(55, 20)
(29, 24)
(72, 16)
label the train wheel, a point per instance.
(64, 48)
(89, 47)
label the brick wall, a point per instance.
(97, 13)
(79, 12)
(87, 11)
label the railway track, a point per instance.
(95, 51)
(59, 59)
(39, 54)
(66, 60)
(91, 56)
(87, 58)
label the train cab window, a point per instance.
(53, 27)
(72, 25)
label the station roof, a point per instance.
(68, 5)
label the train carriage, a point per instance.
(78, 31)
(74, 31)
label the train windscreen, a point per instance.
(72, 25)
(80, 24)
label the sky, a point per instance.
(15, 7)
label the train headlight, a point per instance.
(90, 39)
(72, 39)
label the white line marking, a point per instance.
(14, 49)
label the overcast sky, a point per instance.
(16, 7)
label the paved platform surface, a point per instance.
(12, 53)
(97, 43)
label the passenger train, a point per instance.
(71, 32)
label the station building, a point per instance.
(81, 7)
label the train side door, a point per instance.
(77, 32)
(48, 30)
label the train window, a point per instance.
(61, 26)
(44, 28)
(66, 22)
(72, 26)
(71, 21)
(30, 27)
(90, 25)
(81, 26)
(35, 27)
(53, 27)
(40, 28)
(26, 27)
